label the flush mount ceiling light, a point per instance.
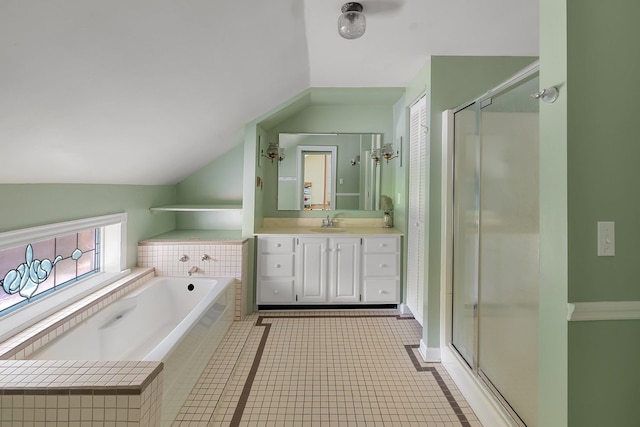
(352, 23)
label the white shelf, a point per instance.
(197, 208)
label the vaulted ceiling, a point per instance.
(149, 91)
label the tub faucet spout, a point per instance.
(193, 269)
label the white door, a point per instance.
(418, 197)
(345, 269)
(312, 270)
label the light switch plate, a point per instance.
(606, 238)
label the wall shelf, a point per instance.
(197, 208)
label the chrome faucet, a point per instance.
(193, 269)
(327, 223)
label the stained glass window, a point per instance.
(32, 271)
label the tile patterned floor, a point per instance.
(324, 368)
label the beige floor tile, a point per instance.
(325, 368)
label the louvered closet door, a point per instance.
(417, 208)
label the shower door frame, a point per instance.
(460, 369)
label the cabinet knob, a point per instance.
(383, 265)
(277, 291)
(278, 266)
(382, 245)
(278, 245)
(381, 292)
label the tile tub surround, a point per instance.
(226, 259)
(24, 343)
(88, 393)
(347, 367)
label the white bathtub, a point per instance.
(177, 320)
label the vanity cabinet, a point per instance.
(276, 270)
(312, 270)
(381, 270)
(328, 270)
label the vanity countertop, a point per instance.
(329, 231)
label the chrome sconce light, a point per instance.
(376, 155)
(388, 153)
(352, 23)
(274, 152)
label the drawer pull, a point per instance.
(278, 265)
(381, 292)
(383, 265)
(278, 245)
(382, 245)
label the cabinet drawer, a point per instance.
(276, 265)
(381, 290)
(380, 265)
(274, 245)
(381, 245)
(272, 291)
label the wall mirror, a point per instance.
(329, 172)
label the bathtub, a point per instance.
(177, 320)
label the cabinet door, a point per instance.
(312, 270)
(345, 269)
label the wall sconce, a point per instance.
(388, 153)
(274, 152)
(352, 23)
(375, 155)
(355, 161)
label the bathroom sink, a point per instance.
(328, 230)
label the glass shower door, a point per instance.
(465, 233)
(509, 236)
(495, 243)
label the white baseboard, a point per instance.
(486, 407)
(429, 354)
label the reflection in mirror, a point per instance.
(317, 166)
(329, 172)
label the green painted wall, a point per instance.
(29, 205)
(218, 182)
(603, 65)
(552, 319)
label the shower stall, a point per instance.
(493, 214)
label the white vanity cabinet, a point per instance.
(276, 270)
(381, 270)
(308, 269)
(312, 270)
(329, 270)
